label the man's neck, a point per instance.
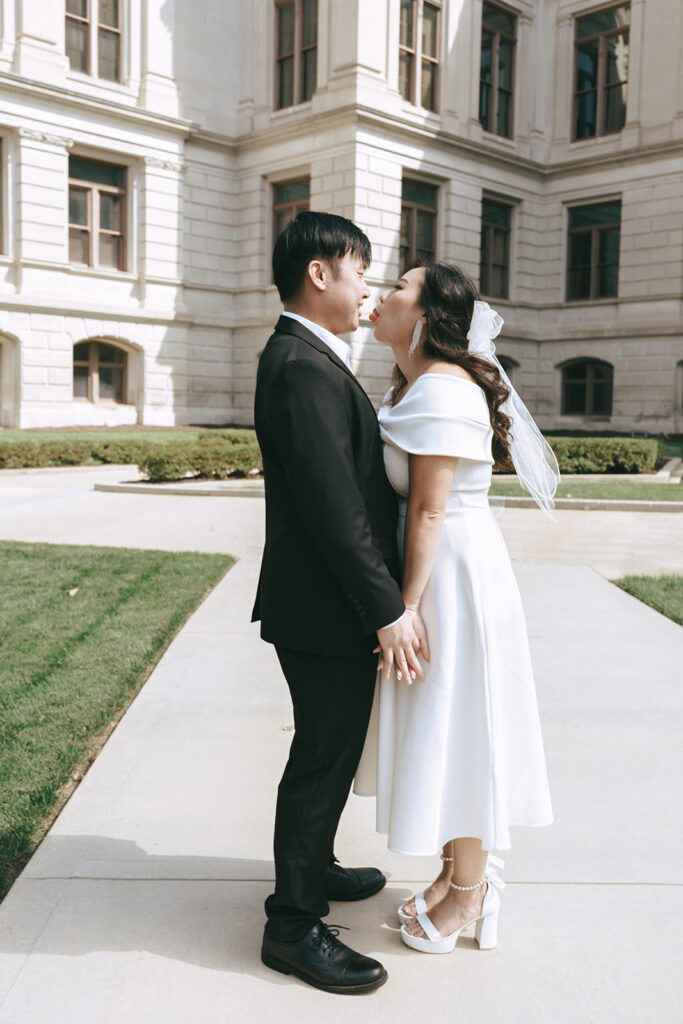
(313, 315)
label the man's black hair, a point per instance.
(312, 236)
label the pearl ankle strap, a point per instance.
(468, 888)
(447, 860)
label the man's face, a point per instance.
(345, 293)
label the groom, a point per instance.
(327, 591)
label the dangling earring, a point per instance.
(417, 334)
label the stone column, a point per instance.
(158, 90)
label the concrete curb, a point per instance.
(249, 489)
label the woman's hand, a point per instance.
(403, 655)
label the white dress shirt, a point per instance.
(339, 347)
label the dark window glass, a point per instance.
(601, 73)
(289, 199)
(109, 13)
(92, 170)
(99, 372)
(494, 270)
(108, 55)
(496, 71)
(77, 45)
(418, 222)
(587, 387)
(594, 242)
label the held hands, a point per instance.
(400, 645)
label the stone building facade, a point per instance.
(149, 156)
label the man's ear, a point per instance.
(317, 275)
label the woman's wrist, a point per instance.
(411, 606)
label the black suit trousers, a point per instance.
(332, 700)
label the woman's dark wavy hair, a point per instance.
(447, 298)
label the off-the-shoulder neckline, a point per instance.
(450, 376)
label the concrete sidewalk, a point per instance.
(144, 902)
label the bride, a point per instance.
(458, 757)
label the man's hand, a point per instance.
(400, 644)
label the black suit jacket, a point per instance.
(329, 570)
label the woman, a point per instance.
(460, 755)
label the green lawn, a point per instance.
(663, 593)
(629, 490)
(81, 628)
(153, 436)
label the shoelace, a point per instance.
(328, 937)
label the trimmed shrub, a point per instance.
(216, 455)
(606, 454)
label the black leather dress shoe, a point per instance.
(348, 884)
(321, 960)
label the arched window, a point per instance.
(509, 364)
(587, 386)
(99, 372)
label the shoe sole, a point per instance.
(357, 899)
(350, 990)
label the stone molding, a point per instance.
(35, 135)
(165, 165)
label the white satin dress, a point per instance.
(460, 753)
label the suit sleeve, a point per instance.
(309, 424)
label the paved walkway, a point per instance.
(143, 904)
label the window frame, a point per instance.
(94, 190)
(497, 34)
(595, 231)
(602, 87)
(590, 363)
(93, 363)
(490, 228)
(298, 84)
(93, 29)
(413, 209)
(418, 58)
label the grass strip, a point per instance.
(81, 628)
(663, 593)
(626, 490)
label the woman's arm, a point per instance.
(431, 477)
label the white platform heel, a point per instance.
(486, 930)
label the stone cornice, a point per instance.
(45, 137)
(70, 98)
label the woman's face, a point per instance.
(399, 310)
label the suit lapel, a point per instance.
(288, 325)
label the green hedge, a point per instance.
(219, 454)
(606, 454)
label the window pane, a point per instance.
(577, 372)
(589, 216)
(78, 206)
(484, 105)
(425, 232)
(80, 381)
(500, 248)
(499, 282)
(310, 32)
(602, 399)
(111, 384)
(499, 19)
(608, 247)
(586, 115)
(574, 399)
(109, 354)
(110, 251)
(430, 23)
(109, 13)
(77, 46)
(82, 352)
(602, 372)
(428, 85)
(406, 29)
(495, 213)
(78, 246)
(486, 57)
(615, 108)
(110, 212)
(587, 70)
(292, 192)
(108, 55)
(310, 71)
(505, 65)
(617, 59)
(77, 7)
(580, 249)
(419, 192)
(504, 105)
(92, 170)
(608, 281)
(405, 66)
(603, 21)
(484, 278)
(286, 82)
(286, 29)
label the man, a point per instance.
(327, 591)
